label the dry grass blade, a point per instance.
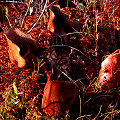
(39, 16)
(22, 25)
(98, 113)
(108, 113)
(84, 116)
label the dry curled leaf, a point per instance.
(58, 96)
(20, 38)
(51, 26)
(109, 75)
(14, 55)
(20, 45)
(59, 22)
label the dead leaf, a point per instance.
(51, 26)
(20, 38)
(58, 96)
(14, 54)
(20, 45)
(110, 71)
(59, 22)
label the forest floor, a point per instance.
(95, 34)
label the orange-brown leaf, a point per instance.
(58, 96)
(109, 75)
(14, 54)
(51, 26)
(20, 45)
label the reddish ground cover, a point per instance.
(95, 33)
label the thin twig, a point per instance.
(101, 96)
(83, 116)
(79, 80)
(108, 113)
(13, 2)
(25, 15)
(114, 10)
(98, 112)
(18, 2)
(76, 50)
(80, 104)
(39, 17)
(51, 4)
(91, 83)
(68, 77)
(2, 117)
(71, 33)
(87, 101)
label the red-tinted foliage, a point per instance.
(58, 96)
(109, 75)
(14, 54)
(51, 26)
(30, 84)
